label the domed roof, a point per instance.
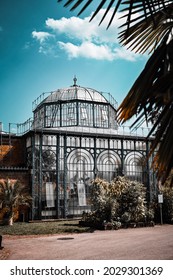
(75, 92)
(75, 106)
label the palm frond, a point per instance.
(151, 98)
(144, 35)
(107, 10)
(163, 160)
(14, 194)
(146, 8)
(139, 96)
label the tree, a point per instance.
(148, 28)
(12, 195)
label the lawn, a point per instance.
(38, 228)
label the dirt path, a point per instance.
(151, 243)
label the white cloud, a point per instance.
(41, 36)
(82, 29)
(87, 50)
(80, 38)
(47, 44)
(122, 53)
(93, 51)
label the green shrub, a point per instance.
(117, 202)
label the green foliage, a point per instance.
(168, 205)
(132, 202)
(120, 201)
(12, 195)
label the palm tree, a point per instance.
(148, 28)
(13, 195)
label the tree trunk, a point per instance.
(10, 221)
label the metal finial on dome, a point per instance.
(75, 80)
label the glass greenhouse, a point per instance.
(74, 138)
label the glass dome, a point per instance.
(74, 106)
(75, 92)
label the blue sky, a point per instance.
(43, 45)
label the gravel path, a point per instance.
(150, 243)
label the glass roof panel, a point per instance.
(75, 92)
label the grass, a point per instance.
(38, 228)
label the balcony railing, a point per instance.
(23, 128)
